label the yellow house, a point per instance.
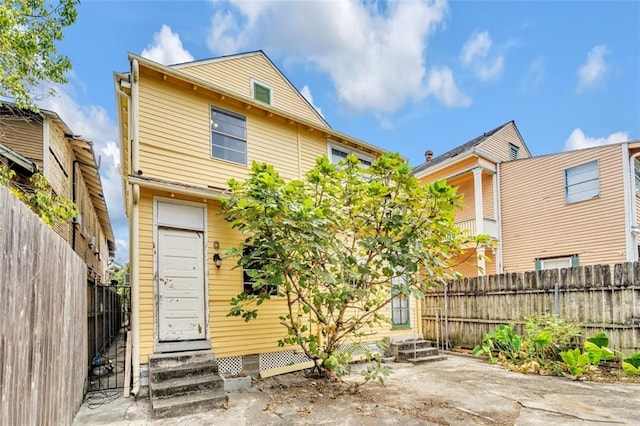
(41, 142)
(185, 130)
(572, 208)
(473, 168)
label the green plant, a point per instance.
(339, 246)
(597, 349)
(548, 335)
(576, 361)
(503, 340)
(631, 365)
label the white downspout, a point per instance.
(477, 193)
(498, 215)
(628, 171)
(134, 231)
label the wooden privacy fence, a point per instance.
(43, 323)
(592, 296)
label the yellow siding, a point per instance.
(498, 144)
(451, 170)
(60, 161)
(175, 139)
(465, 188)
(536, 222)
(23, 136)
(235, 75)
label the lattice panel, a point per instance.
(232, 365)
(361, 348)
(281, 359)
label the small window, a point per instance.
(248, 281)
(261, 92)
(582, 182)
(636, 172)
(556, 262)
(228, 136)
(338, 154)
(514, 152)
(400, 310)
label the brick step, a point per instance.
(188, 404)
(425, 359)
(186, 385)
(158, 374)
(417, 353)
(175, 359)
(418, 344)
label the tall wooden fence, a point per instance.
(43, 323)
(596, 297)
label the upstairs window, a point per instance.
(514, 152)
(557, 262)
(261, 92)
(582, 182)
(228, 136)
(339, 153)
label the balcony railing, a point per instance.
(469, 228)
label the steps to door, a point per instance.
(185, 383)
(416, 351)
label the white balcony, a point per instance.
(469, 228)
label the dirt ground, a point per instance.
(456, 391)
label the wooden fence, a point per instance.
(43, 322)
(592, 296)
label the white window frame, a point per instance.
(562, 262)
(362, 156)
(589, 193)
(514, 152)
(211, 132)
(266, 86)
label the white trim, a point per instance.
(479, 207)
(556, 259)
(331, 144)
(46, 141)
(190, 345)
(498, 216)
(255, 81)
(629, 186)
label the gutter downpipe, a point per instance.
(498, 214)
(630, 215)
(134, 231)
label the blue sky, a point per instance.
(407, 76)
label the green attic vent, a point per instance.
(261, 93)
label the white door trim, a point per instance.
(202, 227)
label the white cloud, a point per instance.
(441, 85)
(476, 55)
(578, 140)
(93, 123)
(534, 74)
(374, 52)
(306, 92)
(167, 48)
(591, 73)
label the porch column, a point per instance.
(477, 194)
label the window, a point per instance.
(339, 153)
(636, 172)
(400, 317)
(514, 152)
(228, 136)
(261, 92)
(248, 281)
(556, 262)
(582, 182)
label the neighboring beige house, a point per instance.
(572, 208)
(559, 210)
(473, 167)
(185, 130)
(41, 142)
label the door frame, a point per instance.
(187, 344)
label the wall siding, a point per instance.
(235, 75)
(23, 136)
(498, 144)
(536, 222)
(174, 125)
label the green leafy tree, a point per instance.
(29, 30)
(339, 246)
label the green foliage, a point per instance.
(39, 196)
(335, 242)
(631, 365)
(576, 361)
(597, 349)
(29, 31)
(503, 340)
(548, 335)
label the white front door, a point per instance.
(181, 285)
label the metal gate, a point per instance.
(108, 319)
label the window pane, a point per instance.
(227, 142)
(562, 262)
(582, 173)
(229, 155)
(582, 182)
(228, 136)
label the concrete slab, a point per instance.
(458, 390)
